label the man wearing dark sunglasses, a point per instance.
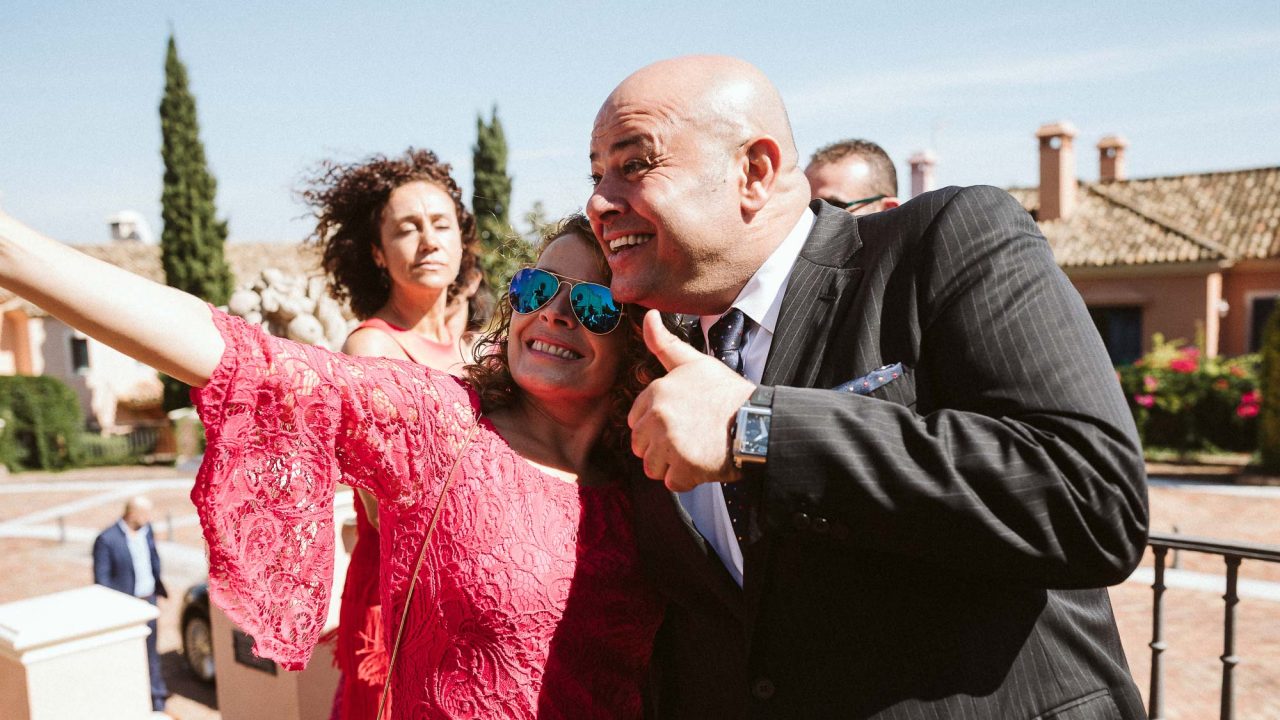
(905, 473)
(854, 175)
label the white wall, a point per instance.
(110, 374)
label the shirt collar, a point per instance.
(761, 297)
(131, 533)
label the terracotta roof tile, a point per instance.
(1183, 218)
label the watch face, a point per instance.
(755, 434)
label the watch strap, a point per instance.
(762, 397)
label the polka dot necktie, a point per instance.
(725, 340)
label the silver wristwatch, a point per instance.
(750, 433)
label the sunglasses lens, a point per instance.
(595, 307)
(531, 288)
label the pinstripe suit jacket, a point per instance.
(938, 549)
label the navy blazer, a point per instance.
(113, 566)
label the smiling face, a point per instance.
(420, 243)
(551, 356)
(665, 205)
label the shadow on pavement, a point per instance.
(182, 683)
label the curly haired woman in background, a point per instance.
(400, 248)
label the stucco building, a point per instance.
(1188, 256)
(114, 389)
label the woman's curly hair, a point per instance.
(490, 375)
(347, 200)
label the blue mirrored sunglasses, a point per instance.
(593, 304)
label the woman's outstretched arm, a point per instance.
(158, 325)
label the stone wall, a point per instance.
(296, 307)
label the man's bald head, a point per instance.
(725, 95)
(137, 511)
(697, 181)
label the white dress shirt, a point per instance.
(144, 577)
(760, 300)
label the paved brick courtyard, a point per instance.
(33, 561)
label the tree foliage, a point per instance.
(503, 251)
(191, 244)
(1269, 377)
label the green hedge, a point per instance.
(43, 424)
(99, 451)
(1185, 401)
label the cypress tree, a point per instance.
(191, 244)
(502, 250)
(1269, 382)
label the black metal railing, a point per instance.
(1232, 553)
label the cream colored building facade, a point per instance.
(115, 390)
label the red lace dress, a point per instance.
(531, 601)
(360, 648)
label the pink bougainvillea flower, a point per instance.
(1188, 361)
(1146, 401)
(1247, 410)
(1253, 397)
(1149, 383)
(1221, 384)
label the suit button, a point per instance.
(800, 520)
(821, 526)
(762, 689)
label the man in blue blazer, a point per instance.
(125, 560)
(906, 476)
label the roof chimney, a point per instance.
(1111, 158)
(922, 164)
(1057, 170)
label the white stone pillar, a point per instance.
(75, 654)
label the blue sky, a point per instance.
(281, 86)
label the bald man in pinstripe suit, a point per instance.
(902, 478)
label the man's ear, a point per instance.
(761, 160)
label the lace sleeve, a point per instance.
(283, 422)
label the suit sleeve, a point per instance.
(1023, 461)
(155, 563)
(101, 562)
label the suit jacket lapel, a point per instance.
(826, 266)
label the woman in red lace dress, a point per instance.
(400, 248)
(530, 601)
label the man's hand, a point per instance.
(680, 423)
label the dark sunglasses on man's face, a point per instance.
(854, 204)
(593, 304)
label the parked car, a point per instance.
(197, 633)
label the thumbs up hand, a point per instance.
(680, 423)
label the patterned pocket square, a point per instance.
(872, 381)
